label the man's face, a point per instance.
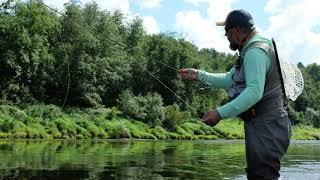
(230, 33)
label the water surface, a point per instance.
(143, 159)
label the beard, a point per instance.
(233, 46)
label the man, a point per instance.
(254, 87)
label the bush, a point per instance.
(154, 110)
(19, 130)
(147, 109)
(312, 117)
(174, 117)
(159, 132)
(114, 112)
(68, 128)
(6, 124)
(130, 105)
(205, 102)
(45, 112)
(295, 116)
(121, 131)
(98, 113)
(136, 131)
(55, 133)
(14, 113)
(3, 135)
(91, 128)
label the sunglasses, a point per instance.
(227, 30)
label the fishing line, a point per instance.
(109, 39)
(95, 32)
(68, 71)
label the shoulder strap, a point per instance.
(278, 64)
(257, 44)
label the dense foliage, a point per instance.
(73, 60)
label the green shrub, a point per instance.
(190, 127)
(15, 113)
(174, 117)
(90, 99)
(304, 132)
(52, 130)
(68, 128)
(101, 133)
(19, 130)
(55, 133)
(159, 132)
(65, 134)
(84, 132)
(80, 136)
(97, 114)
(109, 126)
(114, 112)
(6, 124)
(172, 135)
(294, 116)
(148, 136)
(181, 131)
(121, 131)
(3, 135)
(312, 117)
(211, 131)
(154, 110)
(138, 129)
(32, 133)
(130, 106)
(147, 109)
(45, 112)
(203, 103)
(200, 105)
(90, 127)
(199, 132)
(135, 132)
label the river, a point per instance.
(143, 159)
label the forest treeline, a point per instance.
(89, 58)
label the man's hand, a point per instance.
(188, 73)
(211, 118)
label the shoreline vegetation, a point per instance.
(50, 122)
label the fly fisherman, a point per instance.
(255, 90)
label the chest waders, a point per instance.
(267, 126)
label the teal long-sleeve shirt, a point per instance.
(256, 64)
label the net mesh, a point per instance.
(292, 79)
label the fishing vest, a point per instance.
(272, 89)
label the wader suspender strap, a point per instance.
(278, 64)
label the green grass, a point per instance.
(50, 122)
(305, 133)
(230, 129)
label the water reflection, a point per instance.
(143, 160)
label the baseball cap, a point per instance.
(237, 18)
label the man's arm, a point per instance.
(256, 62)
(221, 80)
